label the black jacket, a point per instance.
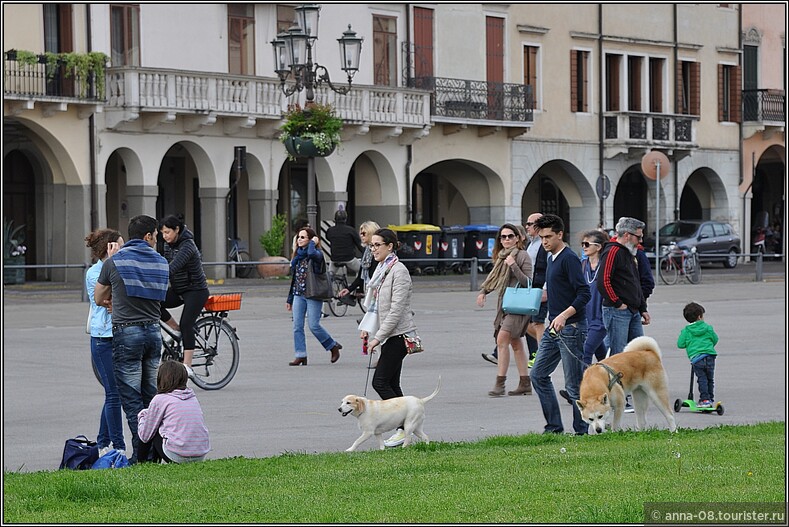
(619, 282)
(186, 264)
(539, 268)
(343, 241)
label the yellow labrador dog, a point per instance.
(376, 417)
(637, 370)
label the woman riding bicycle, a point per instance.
(188, 286)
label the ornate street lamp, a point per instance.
(293, 61)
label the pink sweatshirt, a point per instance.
(179, 419)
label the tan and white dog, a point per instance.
(376, 417)
(637, 370)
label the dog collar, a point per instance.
(613, 377)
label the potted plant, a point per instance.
(273, 242)
(313, 131)
(13, 252)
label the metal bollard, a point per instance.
(759, 266)
(473, 274)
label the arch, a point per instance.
(559, 187)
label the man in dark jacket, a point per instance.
(624, 306)
(344, 240)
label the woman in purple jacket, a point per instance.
(173, 423)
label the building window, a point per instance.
(423, 43)
(241, 39)
(729, 79)
(125, 34)
(656, 85)
(579, 80)
(385, 50)
(613, 74)
(634, 65)
(688, 87)
(286, 14)
(530, 67)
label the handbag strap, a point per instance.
(528, 284)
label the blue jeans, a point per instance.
(595, 346)
(111, 420)
(704, 369)
(570, 351)
(312, 310)
(622, 326)
(135, 354)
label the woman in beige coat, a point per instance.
(511, 265)
(389, 295)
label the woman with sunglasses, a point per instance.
(512, 265)
(591, 244)
(368, 265)
(307, 252)
(388, 297)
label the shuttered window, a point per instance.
(579, 81)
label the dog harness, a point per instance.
(613, 377)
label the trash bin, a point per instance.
(418, 240)
(450, 246)
(479, 243)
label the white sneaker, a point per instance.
(104, 450)
(397, 439)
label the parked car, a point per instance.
(714, 241)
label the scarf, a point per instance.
(301, 253)
(145, 272)
(367, 261)
(499, 277)
(371, 298)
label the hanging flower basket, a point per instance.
(306, 147)
(310, 132)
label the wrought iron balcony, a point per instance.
(488, 103)
(764, 106)
(48, 83)
(200, 97)
(642, 130)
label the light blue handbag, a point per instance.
(521, 300)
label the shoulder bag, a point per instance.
(318, 286)
(521, 300)
(79, 453)
(413, 342)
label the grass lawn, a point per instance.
(511, 479)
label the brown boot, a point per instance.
(335, 352)
(498, 390)
(524, 386)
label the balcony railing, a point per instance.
(764, 106)
(191, 93)
(46, 82)
(462, 99)
(639, 129)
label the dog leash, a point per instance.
(369, 366)
(613, 377)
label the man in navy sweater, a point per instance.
(568, 294)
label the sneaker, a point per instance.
(397, 439)
(104, 450)
(566, 396)
(531, 361)
(490, 358)
(706, 403)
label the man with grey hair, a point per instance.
(624, 306)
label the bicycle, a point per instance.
(679, 261)
(339, 281)
(237, 254)
(216, 354)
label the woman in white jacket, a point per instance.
(389, 295)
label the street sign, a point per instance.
(603, 186)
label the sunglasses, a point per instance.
(507, 236)
(586, 245)
(304, 238)
(377, 245)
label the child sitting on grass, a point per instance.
(699, 338)
(173, 423)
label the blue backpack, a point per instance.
(112, 459)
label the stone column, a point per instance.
(262, 207)
(214, 230)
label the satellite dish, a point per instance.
(650, 163)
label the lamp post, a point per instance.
(293, 60)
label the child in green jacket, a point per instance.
(699, 338)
